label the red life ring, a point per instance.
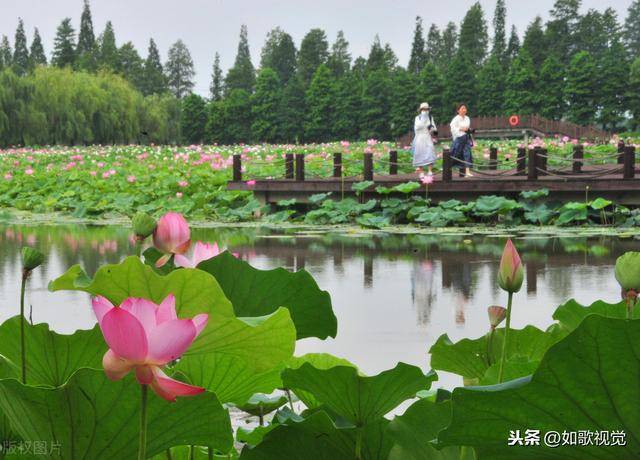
(514, 120)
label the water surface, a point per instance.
(394, 295)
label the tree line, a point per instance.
(581, 67)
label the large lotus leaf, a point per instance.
(414, 430)
(319, 361)
(358, 398)
(261, 404)
(471, 358)
(232, 357)
(256, 292)
(570, 314)
(93, 417)
(244, 357)
(51, 357)
(586, 382)
(317, 437)
(492, 204)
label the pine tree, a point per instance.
(613, 81)
(292, 110)
(339, 61)
(242, 75)
(154, 80)
(6, 55)
(107, 48)
(461, 84)
(433, 47)
(179, 70)
(403, 102)
(264, 106)
(535, 42)
(20, 51)
(279, 54)
(37, 55)
(491, 87)
(591, 34)
(632, 29)
(560, 30)
(633, 93)
(520, 95)
(130, 65)
(314, 50)
(319, 100)
(578, 90)
(376, 104)
(193, 119)
(418, 57)
(431, 89)
(359, 68)
(86, 50)
(376, 59)
(473, 34)
(449, 46)
(499, 33)
(237, 106)
(216, 88)
(513, 48)
(64, 47)
(550, 88)
(347, 106)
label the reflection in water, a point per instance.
(393, 294)
(422, 292)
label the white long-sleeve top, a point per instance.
(422, 122)
(457, 124)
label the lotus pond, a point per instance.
(395, 297)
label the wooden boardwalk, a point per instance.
(618, 180)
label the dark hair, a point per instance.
(460, 105)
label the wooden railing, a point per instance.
(531, 163)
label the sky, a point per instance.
(210, 26)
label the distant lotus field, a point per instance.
(116, 181)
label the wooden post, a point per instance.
(532, 172)
(493, 158)
(368, 166)
(237, 167)
(393, 162)
(337, 164)
(578, 155)
(522, 161)
(288, 166)
(299, 166)
(446, 165)
(629, 169)
(621, 152)
(541, 160)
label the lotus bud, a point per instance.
(171, 236)
(31, 258)
(510, 273)
(143, 225)
(628, 271)
(497, 315)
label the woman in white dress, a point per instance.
(424, 152)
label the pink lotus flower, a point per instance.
(178, 194)
(131, 179)
(183, 183)
(28, 171)
(171, 236)
(202, 251)
(251, 183)
(143, 337)
(426, 179)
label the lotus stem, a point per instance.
(23, 349)
(506, 338)
(142, 448)
(289, 398)
(489, 343)
(210, 452)
(168, 452)
(192, 452)
(138, 246)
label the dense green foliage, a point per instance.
(577, 66)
